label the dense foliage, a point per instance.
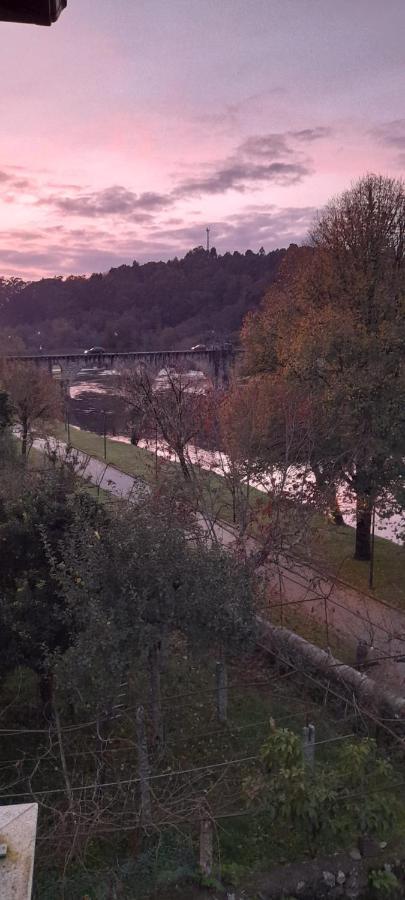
(334, 325)
(201, 298)
(37, 508)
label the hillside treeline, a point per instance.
(201, 298)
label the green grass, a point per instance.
(37, 460)
(334, 552)
(132, 460)
(314, 631)
(138, 462)
(333, 546)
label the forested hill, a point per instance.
(199, 299)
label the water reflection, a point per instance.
(94, 403)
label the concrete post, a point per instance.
(308, 745)
(206, 846)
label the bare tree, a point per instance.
(35, 398)
(168, 405)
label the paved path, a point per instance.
(99, 473)
(350, 614)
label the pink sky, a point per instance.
(128, 127)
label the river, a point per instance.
(94, 404)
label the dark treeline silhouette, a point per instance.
(201, 298)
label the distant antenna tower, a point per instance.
(208, 239)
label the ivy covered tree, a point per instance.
(135, 583)
(37, 508)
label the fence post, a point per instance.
(206, 845)
(308, 745)
(155, 693)
(221, 675)
(143, 767)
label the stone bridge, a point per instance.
(217, 363)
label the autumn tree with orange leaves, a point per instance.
(34, 396)
(334, 324)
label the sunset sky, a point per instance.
(131, 125)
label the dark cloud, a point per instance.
(240, 176)
(266, 145)
(263, 158)
(14, 183)
(112, 201)
(259, 159)
(307, 135)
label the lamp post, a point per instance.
(105, 433)
(371, 571)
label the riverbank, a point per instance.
(332, 551)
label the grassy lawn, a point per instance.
(132, 460)
(215, 494)
(333, 546)
(37, 460)
(334, 551)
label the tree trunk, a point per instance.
(324, 485)
(24, 436)
(46, 693)
(164, 647)
(337, 517)
(155, 694)
(183, 464)
(363, 528)
(222, 691)
(143, 768)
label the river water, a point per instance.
(94, 403)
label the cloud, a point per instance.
(14, 182)
(47, 252)
(240, 176)
(259, 159)
(307, 135)
(228, 119)
(265, 145)
(391, 133)
(263, 158)
(255, 226)
(112, 201)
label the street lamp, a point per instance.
(372, 550)
(105, 432)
